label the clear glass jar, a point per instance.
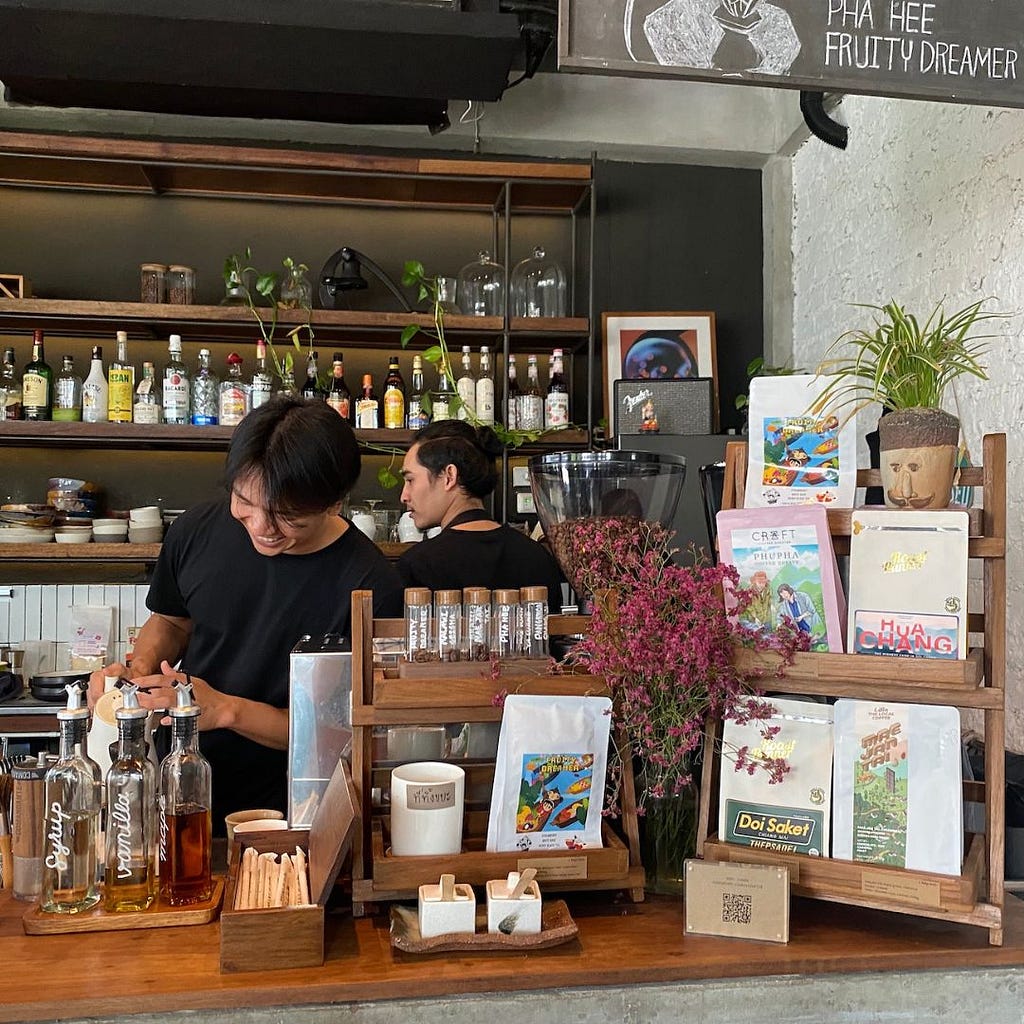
(296, 289)
(476, 641)
(153, 278)
(448, 624)
(181, 285)
(418, 634)
(481, 287)
(534, 601)
(538, 286)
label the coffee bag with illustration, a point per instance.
(549, 776)
(798, 457)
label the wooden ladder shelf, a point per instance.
(465, 692)
(975, 896)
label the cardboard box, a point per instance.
(277, 937)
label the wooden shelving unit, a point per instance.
(974, 897)
(466, 694)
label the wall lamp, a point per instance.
(343, 273)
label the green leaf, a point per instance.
(427, 403)
(386, 478)
(408, 333)
(265, 284)
(433, 354)
(412, 273)
(424, 293)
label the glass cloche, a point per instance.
(481, 287)
(538, 286)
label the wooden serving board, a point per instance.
(556, 927)
(159, 915)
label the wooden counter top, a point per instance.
(68, 976)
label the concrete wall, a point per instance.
(926, 204)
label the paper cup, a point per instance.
(235, 818)
(426, 809)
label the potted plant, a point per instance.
(906, 366)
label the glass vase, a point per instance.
(668, 837)
(296, 290)
(235, 292)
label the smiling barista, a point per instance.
(448, 472)
(240, 579)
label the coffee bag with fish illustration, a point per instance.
(796, 456)
(549, 776)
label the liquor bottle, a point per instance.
(185, 827)
(205, 393)
(147, 398)
(466, 387)
(261, 387)
(531, 403)
(441, 408)
(485, 389)
(512, 396)
(311, 388)
(94, 390)
(394, 396)
(72, 822)
(234, 395)
(367, 406)
(37, 384)
(556, 404)
(339, 398)
(67, 393)
(130, 863)
(11, 384)
(416, 415)
(120, 384)
(176, 394)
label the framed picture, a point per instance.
(657, 346)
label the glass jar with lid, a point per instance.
(538, 286)
(154, 283)
(481, 287)
(181, 285)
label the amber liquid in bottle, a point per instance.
(185, 875)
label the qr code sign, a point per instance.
(735, 908)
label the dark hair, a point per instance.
(471, 450)
(303, 454)
(785, 586)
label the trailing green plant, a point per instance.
(757, 367)
(901, 362)
(237, 272)
(437, 354)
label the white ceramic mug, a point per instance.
(365, 523)
(427, 799)
(407, 532)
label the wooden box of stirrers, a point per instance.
(267, 937)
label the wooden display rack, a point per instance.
(976, 895)
(464, 693)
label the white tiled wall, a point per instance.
(29, 612)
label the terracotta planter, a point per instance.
(918, 449)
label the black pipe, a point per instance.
(812, 106)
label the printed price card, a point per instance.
(740, 901)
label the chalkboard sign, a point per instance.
(960, 51)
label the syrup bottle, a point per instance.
(130, 861)
(186, 825)
(72, 822)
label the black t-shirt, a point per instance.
(248, 611)
(482, 558)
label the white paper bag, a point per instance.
(549, 776)
(797, 457)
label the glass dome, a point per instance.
(573, 488)
(538, 286)
(481, 287)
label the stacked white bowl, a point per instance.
(145, 525)
(73, 534)
(110, 531)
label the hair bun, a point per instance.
(489, 441)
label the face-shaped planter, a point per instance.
(918, 453)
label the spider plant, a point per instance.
(901, 362)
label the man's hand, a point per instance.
(98, 680)
(157, 693)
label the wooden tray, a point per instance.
(556, 927)
(159, 915)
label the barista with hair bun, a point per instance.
(448, 473)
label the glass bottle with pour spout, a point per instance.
(185, 822)
(72, 809)
(130, 861)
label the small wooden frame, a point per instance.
(261, 940)
(15, 286)
(975, 896)
(431, 694)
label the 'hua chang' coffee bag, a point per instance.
(550, 772)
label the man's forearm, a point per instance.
(258, 722)
(161, 638)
